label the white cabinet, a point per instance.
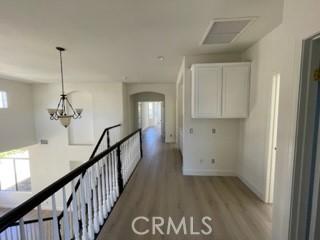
(220, 90)
(207, 103)
(235, 91)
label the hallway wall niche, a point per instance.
(80, 132)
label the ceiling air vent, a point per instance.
(222, 31)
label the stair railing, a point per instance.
(101, 181)
(104, 142)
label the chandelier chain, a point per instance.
(61, 72)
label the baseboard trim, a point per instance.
(207, 172)
(252, 188)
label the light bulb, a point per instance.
(65, 121)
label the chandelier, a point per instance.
(64, 111)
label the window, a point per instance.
(15, 171)
(3, 99)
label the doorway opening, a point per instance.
(149, 113)
(273, 133)
(305, 198)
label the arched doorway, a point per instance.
(148, 110)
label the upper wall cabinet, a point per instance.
(206, 97)
(220, 90)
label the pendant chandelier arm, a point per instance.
(75, 115)
(55, 116)
(58, 105)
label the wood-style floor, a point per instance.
(158, 188)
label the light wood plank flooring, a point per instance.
(158, 188)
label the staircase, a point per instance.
(81, 201)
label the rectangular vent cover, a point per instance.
(225, 31)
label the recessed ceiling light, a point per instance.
(161, 58)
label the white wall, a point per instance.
(125, 108)
(279, 51)
(200, 147)
(17, 122)
(80, 132)
(17, 129)
(52, 161)
(107, 111)
(168, 89)
(252, 165)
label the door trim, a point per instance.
(304, 149)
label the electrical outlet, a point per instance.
(43, 141)
(213, 161)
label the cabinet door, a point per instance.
(235, 94)
(206, 92)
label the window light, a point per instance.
(3, 100)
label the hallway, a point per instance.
(158, 188)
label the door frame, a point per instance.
(303, 189)
(273, 132)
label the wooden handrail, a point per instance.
(101, 138)
(17, 213)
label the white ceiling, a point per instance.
(107, 40)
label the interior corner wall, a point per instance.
(125, 109)
(201, 146)
(254, 130)
(278, 52)
(168, 89)
(16, 122)
(180, 106)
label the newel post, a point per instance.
(119, 165)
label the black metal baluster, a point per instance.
(140, 135)
(119, 165)
(108, 138)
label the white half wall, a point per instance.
(16, 122)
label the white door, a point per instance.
(206, 92)
(235, 91)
